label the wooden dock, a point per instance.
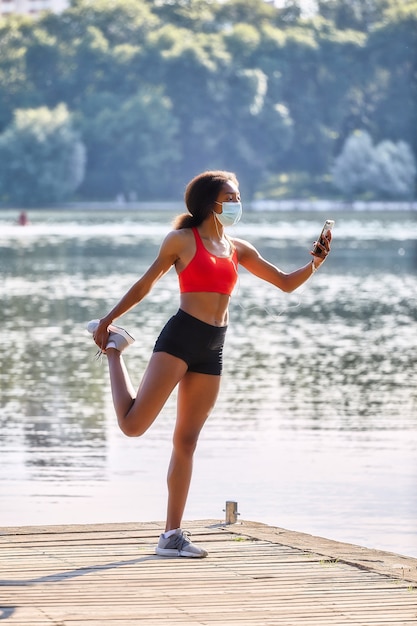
(102, 575)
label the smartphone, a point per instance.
(328, 225)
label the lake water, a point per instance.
(315, 428)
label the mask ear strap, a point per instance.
(216, 224)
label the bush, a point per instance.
(42, 159)
(385, 170)
(394, 169)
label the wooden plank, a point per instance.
(396, 565)
(108, 575)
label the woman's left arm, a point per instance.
(251, 260)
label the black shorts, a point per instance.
(199, 344)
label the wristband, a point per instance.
(313, 267)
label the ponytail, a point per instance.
(185, 220)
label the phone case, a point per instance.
(328, 225)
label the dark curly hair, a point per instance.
(200, 195)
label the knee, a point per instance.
(185, 445)
(129, 429)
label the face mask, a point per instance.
(231, 213)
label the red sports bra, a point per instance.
(207, 272)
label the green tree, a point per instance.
(132, 145)
(42, 57)
(15, 88)
(289, 13)
(387, 169)
(255, 12)
(394, 170)
(195, 15)
(100, 46)
(120, 21)
(42, 158)
(300, 68)
(220, 100)
(259, 131)
(353, 14)
(352, 166)
(392, 49)
(236, 83)
(195, 71)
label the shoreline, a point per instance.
(256, 205)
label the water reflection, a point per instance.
(330, 363)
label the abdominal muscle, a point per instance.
(211, 308)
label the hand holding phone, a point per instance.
(319, 245)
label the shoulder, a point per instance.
(179, 247)
(177, 242)
(244, 249)
(180, 237)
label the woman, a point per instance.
(188, 352)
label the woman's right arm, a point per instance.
(167, 256)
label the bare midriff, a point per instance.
(211, 308)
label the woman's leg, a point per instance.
(136, 412)
(197, 394)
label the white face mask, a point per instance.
(231, 213)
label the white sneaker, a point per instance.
(119, 338)
(178, 544)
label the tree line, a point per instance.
(134, 97)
